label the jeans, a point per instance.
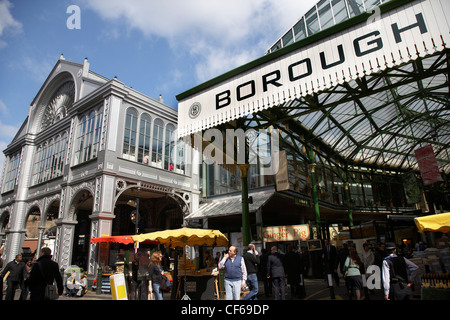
(232, 289)
(252, 281)
(156, 293)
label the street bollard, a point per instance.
(364, 281)
(330, 285)
(144, 288)
(99, 281)
(302, 287)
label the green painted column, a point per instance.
(315, 195)
(246, 233)
(347, 200)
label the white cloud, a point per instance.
(7, 131)
(220, 34)
(3, 146)
(7, 22)
(3, 108)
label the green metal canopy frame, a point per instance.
(375, 122)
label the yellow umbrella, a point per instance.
(185, 236)
(435, 222)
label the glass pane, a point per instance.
(288, 38)
(355, 7)
(299, 30)
(312, 22)
(339, 10)
(325, 14)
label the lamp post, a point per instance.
(246, 234)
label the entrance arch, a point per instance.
(4, 223)
(156, 204)
(80, 211)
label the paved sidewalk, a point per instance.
(315, 289)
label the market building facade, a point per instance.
(93, 158)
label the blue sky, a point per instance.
(156, 47)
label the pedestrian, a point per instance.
(275, 272)
(353, 274)
(28, 267)
(292, 267)
(155, 275)
(342, 256)
(398, 275)
(235, 273)
(330, 261)
(144, 262)
(367, 256)
(252, 260)
(380, 254)
(208, 261)
(263, 273)
(45, 271)
(16, 277)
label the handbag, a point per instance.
(50, 290)
(164, 284)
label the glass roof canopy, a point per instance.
(374, 122)
(325, 14)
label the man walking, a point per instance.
(330, 261)
(235, 273)
(275, 272)
(16, 277)
(251, 259)
(44, 271)
(398, 275)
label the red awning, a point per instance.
(115, 239)
(119, 239)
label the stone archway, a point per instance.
(32, 232)
(80, 210)
(4, 224)
(160, 207)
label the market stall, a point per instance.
(434, 263)
(201, 284)
(113, 261)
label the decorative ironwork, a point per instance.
(60, 102)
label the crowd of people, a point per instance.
(32, 277)
(242, 272)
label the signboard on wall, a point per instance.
(286, 233)
(428, 166)
(282, 175)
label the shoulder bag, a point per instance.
(50, 291)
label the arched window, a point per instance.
(144, 138)
(157, 145)
(180, 161)
(49, 159)
(88, 137)
(169, 148)
(11, 172)
(129, 137)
